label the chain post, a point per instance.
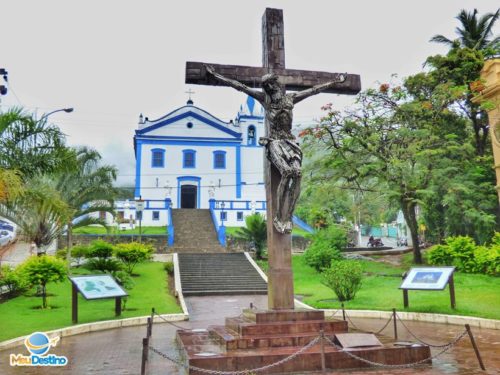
(343, 311)
(149, 328)
(395, 321)
(476, 349)
(322, 345)
(145, 344)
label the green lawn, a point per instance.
(20, 316)
(115, 231)
(476, 295)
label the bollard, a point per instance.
(476, 349)
(149, 328)
(343, 311)
(322, 345)
(395, 321)
(145, 344)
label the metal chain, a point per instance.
(407, 365)
(417, 338)
(168, 321)
(240, 372)
(359, 329)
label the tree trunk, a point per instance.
(69, 244)
(44, 297)
(411, 220)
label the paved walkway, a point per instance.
(118, 351)
(17, 252)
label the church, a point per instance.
(191, 159)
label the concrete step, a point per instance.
(211, 274)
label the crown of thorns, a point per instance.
(270, 78)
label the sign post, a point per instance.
(428, 278)
(95, 287)
(139, 208)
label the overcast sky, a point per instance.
(112, 60)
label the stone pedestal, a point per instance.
(259, 338)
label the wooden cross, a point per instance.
(280, 277)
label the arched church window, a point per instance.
(219, 159)
(251, 135)
(157, 158)
(189, 159)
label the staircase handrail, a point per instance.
(302, 224)
(220, 229)
(170, 226)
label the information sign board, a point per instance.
(427, 278)
(98, 286)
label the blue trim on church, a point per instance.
(184, 115)
(238, 172)
(138, 169)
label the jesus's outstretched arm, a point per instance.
(301, 95)
(257, 95)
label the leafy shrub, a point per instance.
(105, 265)
(78, 253)
(466, 256)
(254, 232)
(325, 247)
(132, 253)
(487, 260)
(344, 278)
(100, 249)
(41, 270)
(12, 280)
(439, 255)
(62, 253)
(124, 279)
(169, 267)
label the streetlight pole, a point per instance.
(46, 115)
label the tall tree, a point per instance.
(87, 188)
(31, 146)
(474, 32)
(390, 138)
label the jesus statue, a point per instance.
(282, 150)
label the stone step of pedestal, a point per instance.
(245, 328)
(202, 351)
(232, 341)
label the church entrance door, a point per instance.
(188, 196)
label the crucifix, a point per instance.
(190, 92)
(283, 154)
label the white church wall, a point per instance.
(160, 182)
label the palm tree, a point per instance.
(39, 212)
(30, 146)
(86, 189)
(473, 32)
(254, 232)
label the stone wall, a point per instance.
(299, 244)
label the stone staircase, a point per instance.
(210, 274)
(194, 232)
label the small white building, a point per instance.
(191, 159)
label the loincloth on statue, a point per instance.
(287, 149)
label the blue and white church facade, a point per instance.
(191, 159)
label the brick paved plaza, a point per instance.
(119, 351)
